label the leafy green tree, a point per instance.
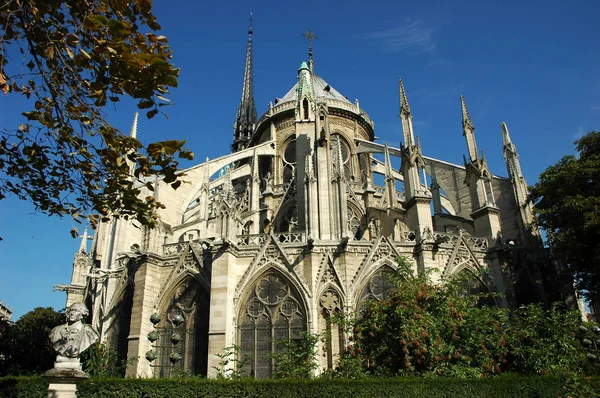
(431, 329)
(567, 206)
(25, 347)
(70, 58)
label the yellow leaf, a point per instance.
(69, 52)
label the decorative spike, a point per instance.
(340, 158)
(133, 133)
(505, 135)
(245, 119)
(255, 166)
(84, 239)
(466, 118)
(468, 131)
(206, 182)
(404, 106)
(388, 162)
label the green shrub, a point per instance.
(501, 387)
(427, 329)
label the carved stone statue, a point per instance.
(74, 337)
(69, 340)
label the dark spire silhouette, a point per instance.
(245, 118)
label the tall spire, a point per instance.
(245, 118)
(468, 130)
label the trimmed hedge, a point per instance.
(501, 387)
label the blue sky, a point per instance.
(534, 65)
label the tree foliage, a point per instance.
(101, 361)
(25, 346)
(296, 358)
(567, 206)
(427, 329)
(70, 58)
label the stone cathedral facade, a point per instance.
(305, 218)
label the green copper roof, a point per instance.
(303, 65)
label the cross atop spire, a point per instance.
(246, 114)
(310, 36)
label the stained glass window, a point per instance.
(273, 312)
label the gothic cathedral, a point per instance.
(302, 221)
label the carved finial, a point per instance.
(133, 133)
(310, 36)
(388, 162)
(83, 244)
(466, 119)
(468, 131)
(505, 135)
(404, 107)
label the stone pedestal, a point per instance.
(63, 378)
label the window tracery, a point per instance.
(273, 312)
(346, 154)
(378, 287)
(354, 223)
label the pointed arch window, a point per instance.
(305, 109)
(331, 308)
(272, 312)
(355, 223)
(182, 345)
(346, 155)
